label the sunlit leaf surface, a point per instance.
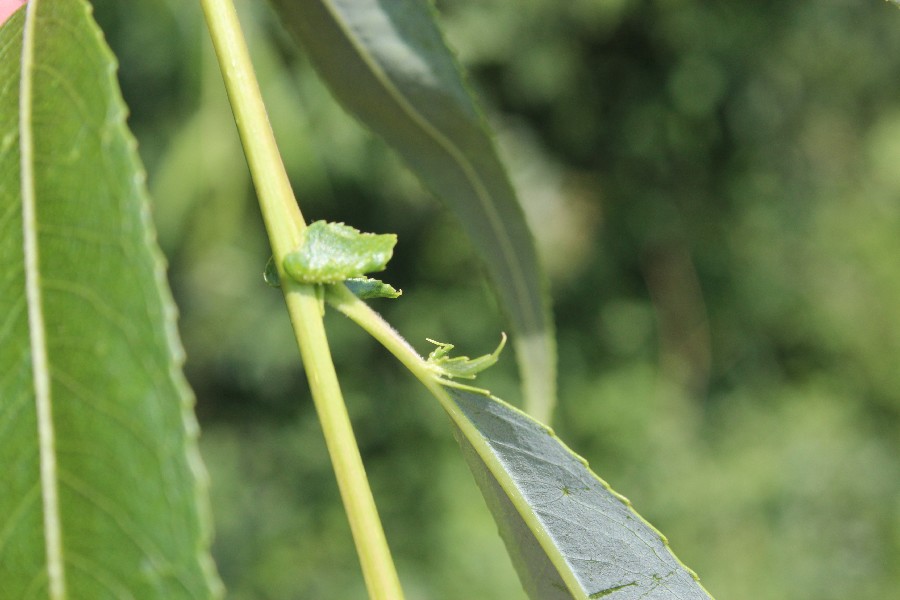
(102, 492)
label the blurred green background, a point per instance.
(715, 189)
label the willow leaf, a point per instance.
(388, 64)
(569, 534)
(103, 494)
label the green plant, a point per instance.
(106, 494)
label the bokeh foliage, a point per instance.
(716, 192)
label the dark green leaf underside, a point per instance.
(568, 533)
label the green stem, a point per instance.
(343, 300)
(285, 226)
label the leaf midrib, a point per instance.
(37, 334)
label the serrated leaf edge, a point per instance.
(509, 487)
(53, 534)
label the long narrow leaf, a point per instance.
(387, 63)
(102, 494)
(568, 533)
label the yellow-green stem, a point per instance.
(343, 300)
(284, 224)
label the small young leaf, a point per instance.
(366, 288)
(333, 252)
(460, 366)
